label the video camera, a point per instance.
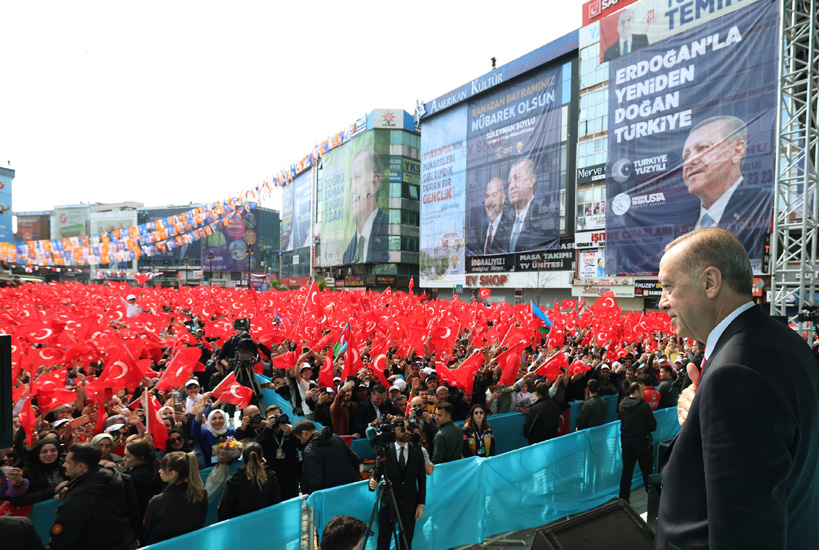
(382, 435)
(809, 314)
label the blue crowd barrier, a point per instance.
(515, 490)
(277, 527)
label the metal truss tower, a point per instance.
(796, 212)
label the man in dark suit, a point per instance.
(495, 236)
(742, 471)
(533, 224)
(627, 42)
(543, 418)
(713, 155)
(404, 467)
(370, 244)
(377, 408)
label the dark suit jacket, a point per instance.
(747, 215)
(410, 487)
(500, 240)
(377, 247)
(365, 414)
(742, 472)
(637, 41)
(540, 228)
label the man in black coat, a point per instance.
(636, 424)
(99, 507)
(280, 451)
(543, 418)
(376, 408)
(404, 467)
(742, 471)
(326, 461)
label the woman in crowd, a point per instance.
(182, 506)
(251, 488)
(478, 437)
(143, 467)
(178, 441)
(213, 430)
(43, 470)
(105, 443)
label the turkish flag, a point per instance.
(231, 391)
(179, 369)
(285, 361)
(411, 284)
(51, 397)
(155, 425)
(551, 367)
(55, 379)
(141, 278)
(484, 293)
(577, 367)
(464, 376)
(378, 353)
(509, 362)
(27, 421)
(325, 377)
(325, 340)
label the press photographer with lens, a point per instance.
(280, 450)
(400, 467)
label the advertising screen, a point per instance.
(443, 168)
(297, 201)
(355, 223)
(513, 168)
(234, 246)
(69, 222)
(6, 232)
(692, 110)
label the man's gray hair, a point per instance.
(718, 247)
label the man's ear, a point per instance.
(376, 184)
(713, 281)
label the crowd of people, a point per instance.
(80, 432)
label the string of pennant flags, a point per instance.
(163, 235)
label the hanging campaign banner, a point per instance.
(513, 169)
(297, 199)
(691, 130)
(355, 186)
(443, 165)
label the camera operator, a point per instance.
(422, 422)
(280, 450)
(377, 408)
(241, 347)
(252, 423)
(404, 466)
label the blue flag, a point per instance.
(541, 315)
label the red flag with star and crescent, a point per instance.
(231, 391)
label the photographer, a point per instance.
(327, 460)
(404, 467)
(422, 422)
(252, 423)
(343, 408)
(241, 349)
(280, 450)
(373, 410)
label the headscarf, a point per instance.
(35, 455)
(214, 432)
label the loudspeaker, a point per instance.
(612, 526)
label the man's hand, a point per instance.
(687, 395)
(373, 484)
(419, 511)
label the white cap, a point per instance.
(616, 364)
(191, 383)
(131, 297)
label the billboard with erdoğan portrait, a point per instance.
(692, 110)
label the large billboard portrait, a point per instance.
(692, 115)
(355, 187)
(297, 201)
(513, 168)
(443, 165)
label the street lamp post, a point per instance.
(210, 259)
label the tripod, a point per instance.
(246, 356)
(386, 487)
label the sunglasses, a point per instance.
(175, 439)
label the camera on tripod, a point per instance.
(808, 314)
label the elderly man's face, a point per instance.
(364, 186)
(625, 24)
(521, 185)
(494, 198)
(711, 162)
(684, 296)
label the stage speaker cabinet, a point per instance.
(612, 526)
